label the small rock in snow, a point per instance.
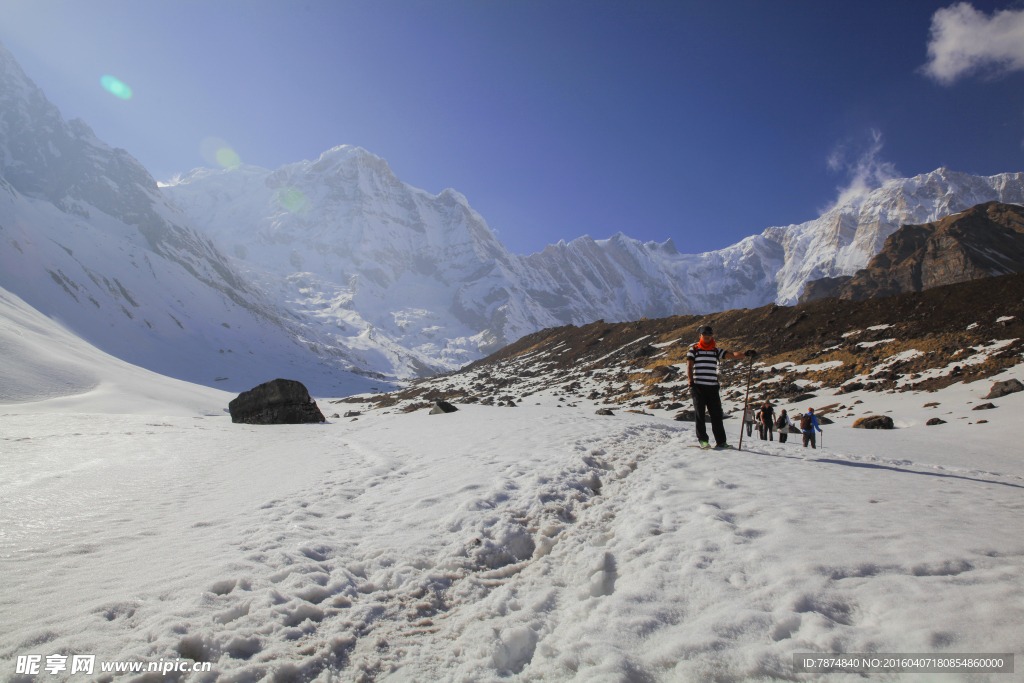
(874, 422)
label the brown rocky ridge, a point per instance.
(985, 240)
(916, 341)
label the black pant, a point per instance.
(766, 432)
(705, 398)
(783, 436)
(810, 437)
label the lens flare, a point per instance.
(217, 152)
(291, 199)
(227, 157)
(116, 87)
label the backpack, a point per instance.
(780, 423)
(805, 423)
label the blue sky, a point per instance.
(703, 122)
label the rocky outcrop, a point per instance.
(1000, 389)
(985, 240)
(441, 407)
(281, 401)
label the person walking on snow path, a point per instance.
(808, 423)
(748, 419)
(702, 372)
(767, 421)
(784, 426)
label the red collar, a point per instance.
(702, 347)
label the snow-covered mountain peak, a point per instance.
(426, 272)
(344, 259)
(88, 237)
(13, 80)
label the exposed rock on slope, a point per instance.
(917, 341)
(985, 240)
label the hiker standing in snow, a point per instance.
(767, 421)
(808, 423)
(784, 426)
(702, 372)
(748, 419)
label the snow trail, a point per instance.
(491, 543)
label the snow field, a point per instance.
(495, 544)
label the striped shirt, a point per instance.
(705, 365)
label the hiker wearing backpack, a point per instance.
(784, 426)
(767, 414)
(808, 423)
(702, 361)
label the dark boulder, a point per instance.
(642, 352)
(1000, 389)
(984, 406)
(851, 387)
(874, 422)
(603, 411)
(279, 402)
(685, 416)
(935, 421)
(673, 406)
(824, 420)
(664, 371)
(352, 413)
(803, 397)
(442, 407)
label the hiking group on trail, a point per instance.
(702, 361)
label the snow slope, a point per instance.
(536, 543)
(44, 368)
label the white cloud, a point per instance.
(964, 41)
(865, 169)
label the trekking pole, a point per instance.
(743, 417)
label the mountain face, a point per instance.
(335, 271)
(344, 239)
(844, 239)
(88, 238)
(985, 240)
